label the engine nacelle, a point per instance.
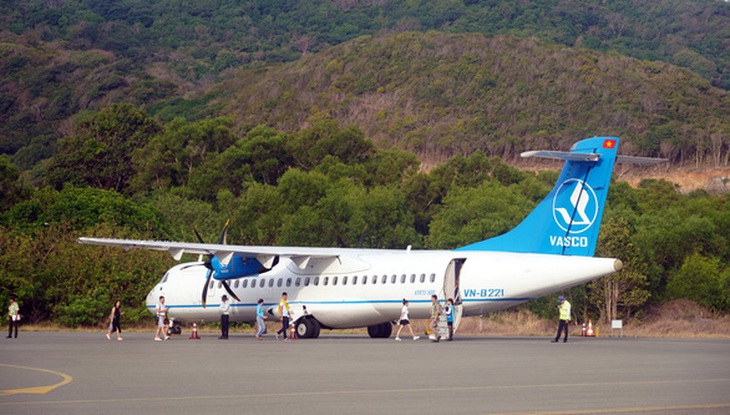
(238, 267)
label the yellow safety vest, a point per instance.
(565, 311)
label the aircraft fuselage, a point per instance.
(368, 288)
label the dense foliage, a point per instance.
(325, 185)
(63, 58)
(212, 36)
(439, 95)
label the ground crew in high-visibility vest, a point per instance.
(284, 316)
(564, 308)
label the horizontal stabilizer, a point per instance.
(641, 161)
(562, 155)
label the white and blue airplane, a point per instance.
(335, 288)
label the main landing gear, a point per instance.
(308, 328)
(380, 331)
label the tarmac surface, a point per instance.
(84, 373)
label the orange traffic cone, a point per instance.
(293, 335)
(589, 332)
(194, 333)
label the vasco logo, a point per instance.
(576, 214)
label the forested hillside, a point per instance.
(61, 58)
(439, 95)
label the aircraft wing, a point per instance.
(264, 254)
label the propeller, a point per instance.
(208, 264)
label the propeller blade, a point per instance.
(205, 288)
(362, 237)
(225, 285)
(200, 239)
(222, 239)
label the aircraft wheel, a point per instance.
(308, 328)
(317, 327)
(380, 331)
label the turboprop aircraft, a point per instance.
(335, 288)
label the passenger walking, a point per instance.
(260, 317)
(433, 322)
(161, 313)
(284, 316)
(114, 325)
(449, 311)
(404, 321)
(13, 318)
(564, 308)
(225, 309)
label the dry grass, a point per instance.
(683, 318)
(680, 319)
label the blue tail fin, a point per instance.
(567, 221)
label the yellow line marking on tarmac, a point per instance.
(36, 390)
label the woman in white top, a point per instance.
(404, 321)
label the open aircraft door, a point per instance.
(452, 289)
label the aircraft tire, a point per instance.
(308, 328)
(380, 331)
(317, 328)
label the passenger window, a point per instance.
(298, 282)
(423, 278)
(385, 279)
(271, 283)
(403, 279)
(364, 279)
(354, 280)
(316, 281)
(334, 281)
(220, 284)
(244, 284)
(288, 282)
(326, 280)
(433, 277)
(306, 282)
(393, 278)
(375, 279)
(413, 278)
(211, 285)
(279, 282)
(344, 280)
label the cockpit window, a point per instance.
(164, 279)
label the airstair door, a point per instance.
(452, 289)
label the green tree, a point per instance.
(324, 138)
(622, 293)
(703, 280)
(100, 154)
(12, 189)
(172, 158)
(472, 214)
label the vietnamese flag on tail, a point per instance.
(609, 144)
